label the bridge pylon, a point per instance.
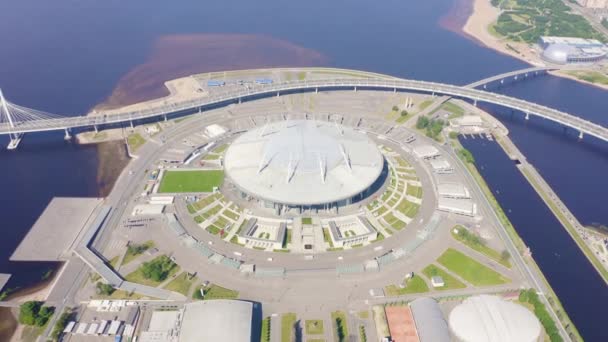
(15, 137)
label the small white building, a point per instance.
(263, 234)
(426, 152)
(457, 206)
(453, 190)
(437, 281)
(467, 121)
(351, 231)
(441, 166)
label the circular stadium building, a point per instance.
(304, 164)
(560, 53)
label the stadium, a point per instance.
(304, 165)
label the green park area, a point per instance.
(451, 283)
(470, 270)
(135, 141)
(191, 181)
(182, 283)
(313, 327)
(528, 20)
(213, 291)
(590, 76)
(413, 285)
(153, 272)
(288, 322)
(478, 244)
(134, 250)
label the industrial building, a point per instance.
(430, 324)
(426, 152)
(210, 320)
(457, 206)
(569, 50)
(492, 319)
(453, 190)
(304, 164)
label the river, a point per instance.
(66, 57)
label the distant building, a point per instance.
(569, 50)
(593, 3)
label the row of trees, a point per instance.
(530, 296)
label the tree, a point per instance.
(104, 289)
(135, 249)
(404, 113)
(505, 255)
(395, 109)
(158, 269)
(33, 313)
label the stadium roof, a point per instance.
(217, 320)
(303, 162)
(492, 319)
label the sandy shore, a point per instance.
(482, 16)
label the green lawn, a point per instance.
(451, 282)
(480, 247)
(265, 331)
(181, 284)
(469, 269)
(314, 327)
(217, 292)
(288, 321)
(306, 220)
(338, 319)
(414, 285)
(132, 254)
(424, 104)
(415, 191)
(137, 276)
(191, 181)
(220, 149)
(135, 141)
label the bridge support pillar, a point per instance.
(355, 89)
(580, 135)
(95, 128)
(165, 117)
(200, 110)
(131, 123)
(15, 140)
(475, 103)
(433, 94)
(502, 81)
(239, 100)
(527, 116)
(278, 93)
(316, 90)
(394, 90)
(67, 135)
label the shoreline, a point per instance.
(481, 15)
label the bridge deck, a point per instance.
(234, 95)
